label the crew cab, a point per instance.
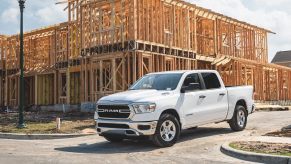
(160, 105)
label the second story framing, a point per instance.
(172, 23)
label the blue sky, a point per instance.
(38, 13)
(271, 14)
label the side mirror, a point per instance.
(190, 87)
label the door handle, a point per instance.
(202, 97)
(222, 94)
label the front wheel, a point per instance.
(167, 131)
(239, 119)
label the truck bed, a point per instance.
(236, 93)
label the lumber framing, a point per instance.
(106, 45)
(3, 45)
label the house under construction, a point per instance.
(106, 45)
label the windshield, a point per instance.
(158, 82)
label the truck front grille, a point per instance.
(114, 111)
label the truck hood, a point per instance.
(135, 96)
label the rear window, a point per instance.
(211, 80)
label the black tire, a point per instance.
(157, 138)
(114, 139)
(235, 124)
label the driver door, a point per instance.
(190, 100)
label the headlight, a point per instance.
(96, 112)
(96, 116)
(144, 107)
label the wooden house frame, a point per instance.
(106, 45)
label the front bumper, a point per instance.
(125, 127)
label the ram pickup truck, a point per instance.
(160, 105)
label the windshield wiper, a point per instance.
(143, 89)
(148, 89)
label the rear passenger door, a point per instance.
(213, 100)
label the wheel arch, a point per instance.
(174, 113)
(243, 103)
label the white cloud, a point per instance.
(276, 20)
(10, 15)
(13, 3)
(272, 2)
(37, 13)
(50, 14)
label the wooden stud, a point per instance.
(87, 49)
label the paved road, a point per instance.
(196, 146)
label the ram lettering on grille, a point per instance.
(114, 111)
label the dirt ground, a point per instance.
(284, 132)
(45, 122)
(263, 147)
(201, 146)
(267, 107)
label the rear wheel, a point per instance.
(112, 138)
(239, 119)
(167, 131)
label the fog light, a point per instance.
(143, 127)
(130, 132)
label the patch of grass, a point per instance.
(263, 147)
(45, 123)
(32, 128)
(76, 126)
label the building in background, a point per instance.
(283, 58)
(105, 46)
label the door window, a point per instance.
(211, 81)
(192, 78)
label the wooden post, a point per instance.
(114, 74)
(55, 86)
(101, 77)
(68, 76)
(36, 90)
(58, 123)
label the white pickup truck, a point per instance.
(160, 105)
